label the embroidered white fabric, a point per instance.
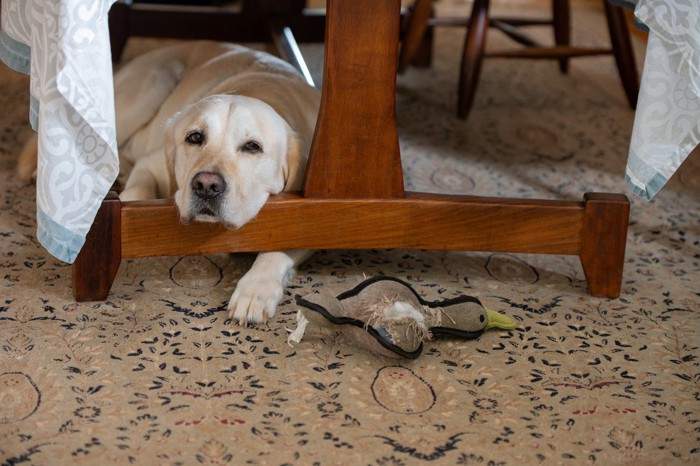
(64, 47)
(667, 120)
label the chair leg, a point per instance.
(561, 21)
(118, 29)
(424, 55)
(415, 33)
(622, 49)
(472, 56)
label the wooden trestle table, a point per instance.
(353, 196)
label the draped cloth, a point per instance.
(63, 45)
(667, 121)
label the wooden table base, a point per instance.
(595, 230)
(353, 193)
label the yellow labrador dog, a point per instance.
(219, 127)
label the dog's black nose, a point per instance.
(208, 185)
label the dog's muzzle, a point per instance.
(207, 188)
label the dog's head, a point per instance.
(225, 155)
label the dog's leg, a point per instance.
(140, 89)
(27, 160)
(143, 183)
(260, 290)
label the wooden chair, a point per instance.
(421, 19)
(261, 21)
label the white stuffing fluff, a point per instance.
(297, 334)
(401, 310)
(384, 312)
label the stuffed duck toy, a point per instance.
(385, 315)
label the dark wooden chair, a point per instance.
(246, 21)
(421, 20)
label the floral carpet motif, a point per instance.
(156, 374)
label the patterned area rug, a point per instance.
(158, 375)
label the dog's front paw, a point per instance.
(255, 298)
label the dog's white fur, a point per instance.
(222, 109)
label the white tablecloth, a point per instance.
(667, 120)
(64, 46)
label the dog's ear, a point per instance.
(170, 146)
(293, 164)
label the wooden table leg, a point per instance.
(603, 241)
(355, 150)
(96, 266)
(354, 196)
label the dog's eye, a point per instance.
(195, 137)
(252, 147)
